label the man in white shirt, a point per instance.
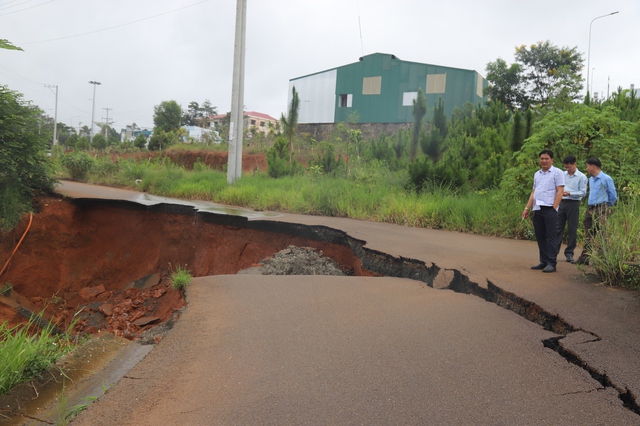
(575, 188)
(544, 201)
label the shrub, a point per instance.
(616, 248)
(180, 277)
(278, 160)
(78, 164)
(25, 168)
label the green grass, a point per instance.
(617, 247)
(180, 277)
(370, 192)
(25, 355)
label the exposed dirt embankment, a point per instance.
(111, 259)
(215, 159)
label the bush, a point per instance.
(78, 164)
(278, 160)
(25, 168)
(616, 248)
(180, 277)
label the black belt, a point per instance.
(569, 199)
(597, 205)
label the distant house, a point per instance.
(252, 119)
(196, 133)
(130, 132)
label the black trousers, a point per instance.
(569, 215)
(546, 230)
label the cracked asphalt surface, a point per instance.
(253, 349)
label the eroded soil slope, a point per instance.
(110, 260)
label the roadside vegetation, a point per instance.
(180, 277)
(27, 350)
(468, 172)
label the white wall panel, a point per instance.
(317, 95)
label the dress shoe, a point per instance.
(569, 258)
(549, 268)
(539, 266)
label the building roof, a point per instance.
(379, 54)
(247, 114)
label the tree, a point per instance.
(550, 72)
(505, 84)
(207, 111)
(582, 131)
(419, 111)
(167, 116)
(543, 75)
(193, 114)
(517, 132)
(24, 165)
(290, 122)
(140, 141)
(433, 143)
(277, 165)
(6, 44)
(99, 142)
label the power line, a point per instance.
(26, 8)
(115, 26)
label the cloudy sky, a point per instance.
(144, 52)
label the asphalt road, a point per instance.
(252, 349)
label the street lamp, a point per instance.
(95, 83)
(589, 51)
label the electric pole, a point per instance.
(107, 122)
(95, 83)
(234, 165)
(55, 115)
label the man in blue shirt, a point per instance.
(575, 187)
(602, 195)
(548, 187)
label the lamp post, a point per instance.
(95, 83)
(589, 50)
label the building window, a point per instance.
(371, 85)
(253, 122)
(262, 124)
(436, 83)
(408, 98)
(345, 101)
(479, 86)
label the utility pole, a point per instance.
(107, 122)
(55, 115)
(95, 83)
(234, 165)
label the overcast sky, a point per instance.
(144, 52)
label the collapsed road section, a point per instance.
(110, 260)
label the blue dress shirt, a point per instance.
(602, 190)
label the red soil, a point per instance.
(86, 257)
(215, 159)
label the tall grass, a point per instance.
(25, 355)
(370, 192)
(616, 249)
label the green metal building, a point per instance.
(380, 88)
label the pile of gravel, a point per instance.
(300, 261)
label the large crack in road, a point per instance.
(183, 234)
